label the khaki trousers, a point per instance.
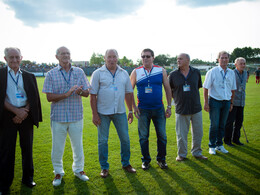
(182, 129)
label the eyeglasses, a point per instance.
(146, 56)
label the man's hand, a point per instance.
(71, 90)
(96, 120)
(206, 107)
(130, 118)
(168, 113)
(22, 113)
(17, 120)
(136, 112)
(231, 107)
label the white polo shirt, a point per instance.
(220, 83)
(110, 91)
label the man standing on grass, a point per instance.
(257, 76)
(64, 86)
(185, 84)
(149, 79)
(110, 86)
(20, 109)
(236, 116)
(219, 88)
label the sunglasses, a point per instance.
(146, 56)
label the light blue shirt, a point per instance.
(15, 93)
(220, 83)
(110, 90)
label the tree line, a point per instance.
(252, 56)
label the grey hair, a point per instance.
(113, 51)
(7, 49)
(223, 52)
(58, 50)
(186, 55)
(238, 59)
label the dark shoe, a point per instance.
(201, 157)
(145, 165)
(162, 164)
(29, 184)
(129, 169)
(238, 143)
(104, 173)
(179, 158)
(229, 144)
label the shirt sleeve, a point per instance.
(84, 81)
(94, 83)
(234, 85)
(47, 86)
(128, 87)
(207, 82)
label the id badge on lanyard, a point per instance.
(186, 87)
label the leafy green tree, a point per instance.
(162, 60)
(96, 59)
(125, 61)
(250, 54)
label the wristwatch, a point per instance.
(169, 107)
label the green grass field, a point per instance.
(237, 172)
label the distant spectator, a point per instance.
(257, 75)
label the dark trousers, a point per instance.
(234, 124)
(8, 136)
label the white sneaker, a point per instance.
(212, 151)
(57, 180)
(82, 175)
(221, 149)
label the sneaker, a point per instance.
(57, 180)
(145, 165)
(212, 151)
(82, 175)
(221, 149)
(162, 164)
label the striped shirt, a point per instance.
(149, 80)
(58, 81)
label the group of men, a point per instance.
(110, 88)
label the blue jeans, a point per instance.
(218, 114)
(159, 121)
(121, 125)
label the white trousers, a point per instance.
(59, 134)
(182, 130)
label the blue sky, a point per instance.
(199, 27)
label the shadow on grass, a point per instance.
(212, 179)
(81, 186)
(25, 190)
(57, 190)
(243, 164)
(136, 184)
(244, 187)
(181, 182)
(110, 185)
(161, 182)
(253, 152)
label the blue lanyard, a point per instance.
(113, 75)
(148, 76)
(16, 82)
(240, 78)
(68, 82)
(186, 77)
(224, 76)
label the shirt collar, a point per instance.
(221, 69)
(11, 70)
(103, 68)
(60, 67)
